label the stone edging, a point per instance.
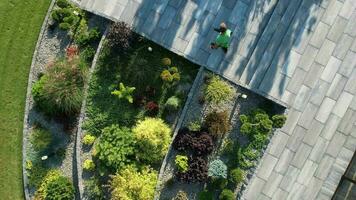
(78, 143)
(177, 127)
(27, 104)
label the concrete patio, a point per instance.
(300, 53)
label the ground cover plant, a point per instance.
(134, 98)
(20, 25)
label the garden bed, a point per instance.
(225, 146)
(49, 137)
(136, 84)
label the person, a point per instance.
(223, 39)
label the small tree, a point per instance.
(124, 92)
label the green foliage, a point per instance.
(62, 3)
(64, 26)
(153, 137)
(243, 161)
(218, 91)
(85, 37)
(60, 89)
(181, 163)
(170, 75)
(89, 139)
(35, 173)
(89, 165)
(40, 138)
(278, 121)
(236, 176)
(124, 92)
(166, 61)
(115, 147)
(218, 122)
(181, 195)
(55, 187)
(250, 153)
(194, 125)
(227, 194)
(217, 169)
(256, 123)
(87, 54)
(92, 189)
(129, 184)
(173, 103)
(205, 195)
(217, 184)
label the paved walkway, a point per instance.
(301, 53)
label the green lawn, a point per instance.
(20, 22)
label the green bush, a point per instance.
(40, 138)
(218, 122)
(170, 75)
(87, 54)
(250, 153)
(59, 14)
(115, 147)
(166, 61)
(181, 163)
(217, 169)
(153, 137)
(236, 176)
(84, 37)
(181, 195)
(129, 184)
(35, 173)
(89, 139)
(217, 184)
(92, 189)
(89, 165)
(55, 187)
(278, 121)
(205, 195)
(60, 89)
(173, 103)
(194, 125)
(64, 26)
(227, 194)
(256, 123)
(124, 92)
(62, 3)
(218, 91)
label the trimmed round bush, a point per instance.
(227, 194)
(166, 61)
(279, 121)
(89, 165)
(181, 163)
(217, 169)
(92, 189)
(181, 195)
(218, 91)
(40, 138)
(218, 123)
(153, 137)
(89, 139)
(173, 103)
(236, 175)
(130, 184)
(202, 144)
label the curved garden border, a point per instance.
(28, 94)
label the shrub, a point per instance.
(87, 54)
(152, 108)
(250, 153)
(60, 90)
(227, 194)
(124, 92)
(58, 14)
(181, 163)
(115, 147)
(181, 195)
(278, 121)
(92, 189)
(64, 26)
(89, 139)
(71, 52)
(182, 141)
(218, 91)
(236, 176)
(194, 125)
(120, 36)
(133, 185)
(153, 137)
(62, 3)
(217, 169)
(202, 144)
(217, 183)
(173, 103)
(54, 187)
(35, 173)
(218, 122)
(205, 195)
(166, 61)
(40, 138)
(84, 37)
(198, 171)
(170, 75)
(256, 123)
(89, 165)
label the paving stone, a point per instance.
(319, 149)
(350, 85)
(289, 178)
(296, 192)
(342, 104)
(319, 91)
(324, 167)
(325, 109)
(313, 74)
(301, 155)
(347, 8)
(284, 161)
(307, 172)
(353, 47)
(205, 24)
(308, 57)
(288, 97)
(343, 46)
(335, 144)
(129, 12)
(319, 35)
(292, 120)
(344, 157)
(351, 25)
(337, 29)
(278, 143)
(302, 98)
(323, 196)
(151, 22)
(263, 197)
(313, 132)
(336, 86)
(347, 122)
(289, 66)
(325, 52)
(350, 143)
(330, 69)
(353, 104)
(297, 80)
(331, 12)
(331, 182)
(348, 64)
(330, 126)
(167, 17)
(280, 194)
(312, 188)
(296, 138)
(255, 188)
(266, 167)
(307, 116)
(273, 182)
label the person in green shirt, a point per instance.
(223, 39)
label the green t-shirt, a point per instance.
(223, 39)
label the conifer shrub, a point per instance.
(217, 169)
(218, 123)
(218, 91)
(279, 121)
(181, 163)
(172, 103)
(89, 165)
(236, 176)
(227, 194)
